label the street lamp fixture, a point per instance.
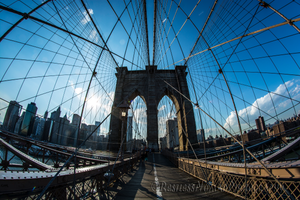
(123, 111)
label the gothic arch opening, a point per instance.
(136, 123)
(167, 124)
(151, 86)
(170, 121)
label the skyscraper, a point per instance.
(19, 123)
(91, 142)
(54, 130)
(36, 122)
(129, 129)
(98, 129)
(12, 115)
(64, 130)
(40, 129)
(260, 124)
(28, 119)
(129, 139)
(46, 115)
(56, 114)
(76, 120)
(172, 133)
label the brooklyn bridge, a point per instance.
(156, 99)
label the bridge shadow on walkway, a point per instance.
(173, 183)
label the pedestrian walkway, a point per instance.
(158, 178)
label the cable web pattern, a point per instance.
(59, 58)
(243, 60)
(59, 62)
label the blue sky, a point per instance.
(48, 66)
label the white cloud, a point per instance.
(210, 131)
(267, 103)
(140, 115)
(162, 108)
(78, 90)
(86, 17)
(93, 36)
(162, 118)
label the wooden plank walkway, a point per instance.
(173, 183)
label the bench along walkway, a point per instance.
(158, 178)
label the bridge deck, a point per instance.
(174, 183)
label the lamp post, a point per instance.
(123, 113)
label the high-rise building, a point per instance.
(19, 123)
(129, 129)
(54, 131)
(98, 129)
(64, 130)
(28, 120)
(36, 122)
(48, 130)
(46, 115)
(84, 127)
(172, 133)
(92, 128)
(163, 142)
(260, 124)
(11, 116)
(76, 120)
(40, 129)
(176, 133)
(77, 135)
(56, 114)
(129, 138)
(91, 142)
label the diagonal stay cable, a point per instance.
(93, 75)
(237, 38)
(119, 20)
(221, 72)
(236, 140)
(221, 68)
(161, 43)
(171, 23)
(132, 29)
(105, 42)
(75, 152)
(199, 36)
(176, 36)
(64, 30)
(24, 17)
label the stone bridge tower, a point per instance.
(151, 85)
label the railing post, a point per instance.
(194, 168)
(213, 173)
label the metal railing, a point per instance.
(255, 188)
(90, 182)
